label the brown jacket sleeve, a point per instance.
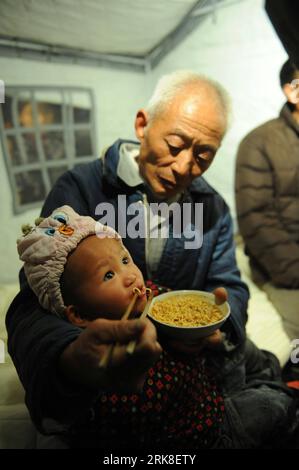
(266, 239)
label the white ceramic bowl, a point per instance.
(189, 333)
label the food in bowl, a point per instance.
(171, 317)
(186, 310)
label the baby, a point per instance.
(79, 268)
(99, 281)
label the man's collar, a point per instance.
(127, 168)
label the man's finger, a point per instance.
(221, 295)
(143, 357)
(112, 331)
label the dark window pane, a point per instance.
(83, 146)
(7, 112)
(53, 143)
(81, 115)
(13, 151)
(29, 142)
(55, 172)
(30, 187)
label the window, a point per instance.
(44, 132)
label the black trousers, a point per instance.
(260, 410)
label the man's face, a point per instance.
(180, 143)
(291, 91)
(108, 276)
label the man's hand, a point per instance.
(220, 295)
(80, 360)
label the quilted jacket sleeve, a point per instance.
(223, 272)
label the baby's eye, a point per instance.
(125, 260)
(50, 231)
(109, 275)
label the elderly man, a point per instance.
(179, 133)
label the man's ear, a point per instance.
(141, 122)
(73, 317)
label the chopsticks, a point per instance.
(105, 359)
(132, 344)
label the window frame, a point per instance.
(67, 126)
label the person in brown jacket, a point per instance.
(267, 200)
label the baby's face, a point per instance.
(108, 277)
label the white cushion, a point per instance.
(16, 428)
(11, 389)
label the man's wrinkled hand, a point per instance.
(213, 341)
(80, 360)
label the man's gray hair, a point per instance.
(171, 85)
